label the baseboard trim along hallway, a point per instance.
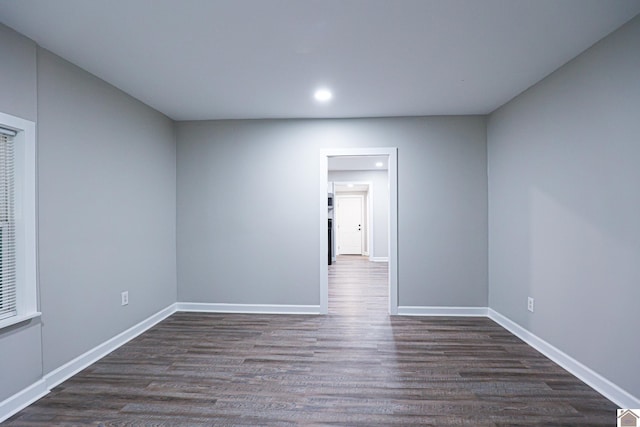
(594, 380)
(248, 308)
(43, 386)
(442, 311)
(22, 399)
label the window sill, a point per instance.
(4, 323)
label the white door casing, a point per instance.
(350, 224)
(392, 152)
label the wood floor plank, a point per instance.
(356, 366)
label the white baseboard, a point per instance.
(379, 259)
(40, 388)
(22, 399)
(442, 311)
(248, 308)
(596, 381)
(71, 368)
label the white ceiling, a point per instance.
(350, 188)
(217, 59)
(357, 163)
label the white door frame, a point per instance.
(392, 152)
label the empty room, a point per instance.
(319, 212)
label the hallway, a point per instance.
(358, 287)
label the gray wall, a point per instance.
(106, 208)
(248, 207)
(20, 345)
(563, 208)
(379, 193)
(17, 74)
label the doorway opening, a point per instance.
(378, 246)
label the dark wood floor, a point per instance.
(355, 367)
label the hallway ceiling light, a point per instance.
(323, 95)
(379, 164)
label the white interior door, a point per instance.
(349, 212)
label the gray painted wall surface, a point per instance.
(248, 207)
(17, 74)
(20, 357)
(380, 198)
(106, 210)
(563, 208)
(20, 345)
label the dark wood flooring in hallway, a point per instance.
(356, 366)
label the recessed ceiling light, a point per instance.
(323, 95)
(350, 185)
(379, 164)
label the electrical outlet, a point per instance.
(125, 297)
(530, 304)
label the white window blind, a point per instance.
(8, 307)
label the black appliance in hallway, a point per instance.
(330, 227)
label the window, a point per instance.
(7, 226)
(18, 292)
